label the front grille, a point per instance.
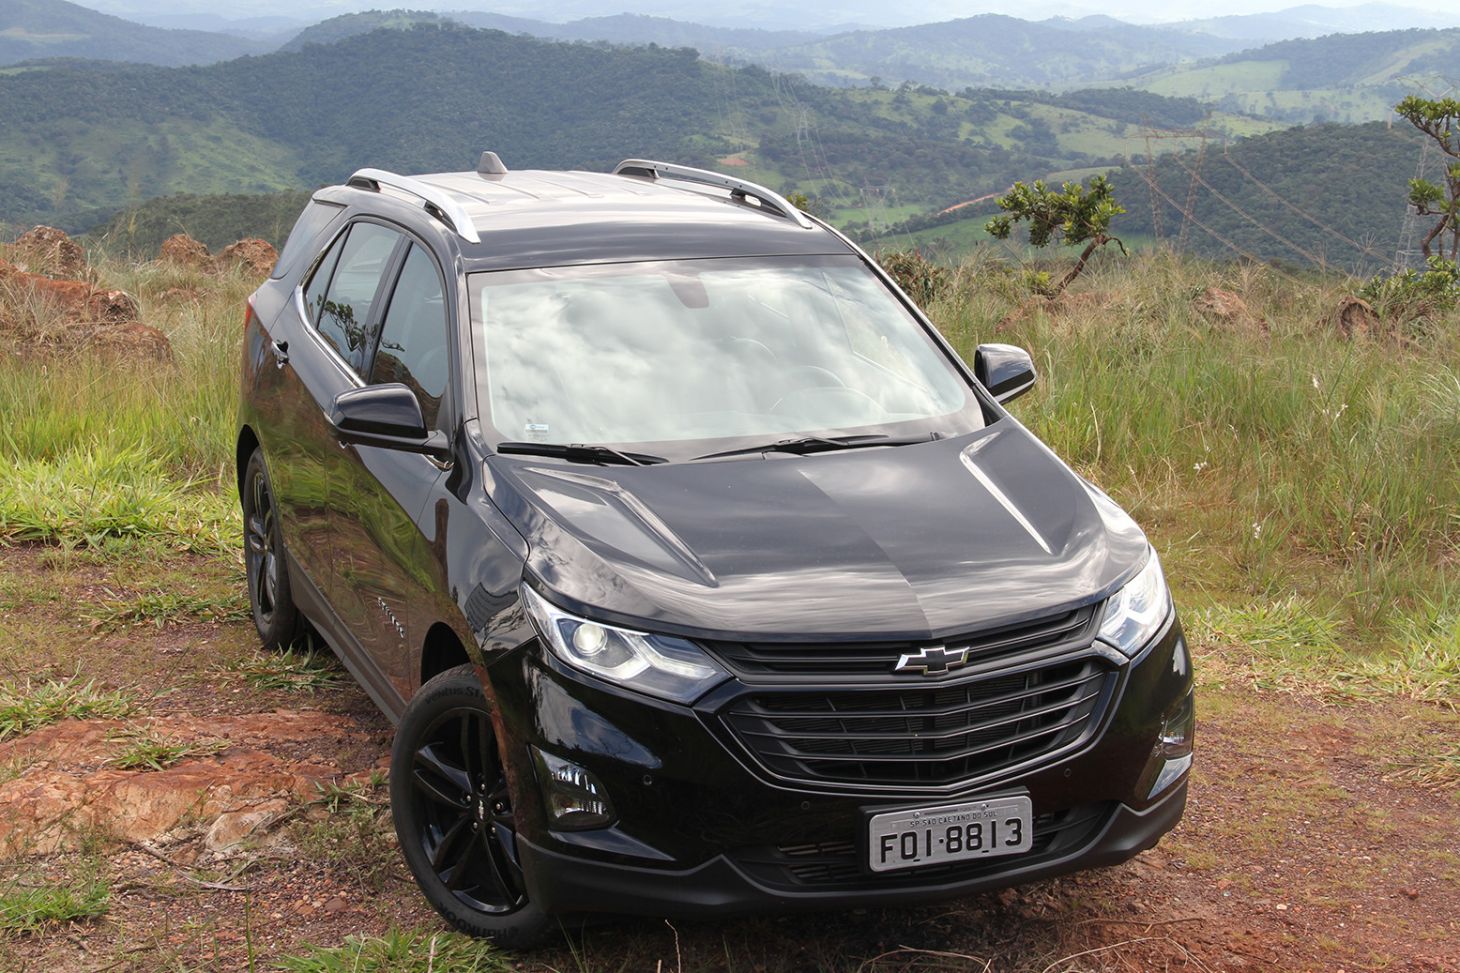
(841, 862)
(931, 735)
(872, 659)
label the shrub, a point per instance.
(1412, 294)
(920, 278)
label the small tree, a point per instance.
(1073, 214)
(1439, 118)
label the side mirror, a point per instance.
(387, 416)
(1005, 370)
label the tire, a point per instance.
(453, 813)
(280, 624)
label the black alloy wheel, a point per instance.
(464, 814)
(279, 622)
(453, 813)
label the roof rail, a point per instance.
(439, 203)
(739, 188)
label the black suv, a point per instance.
(697, 570)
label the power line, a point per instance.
(1227, 157)
(1155, 188)
(1319, 261)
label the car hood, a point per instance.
(908, 542)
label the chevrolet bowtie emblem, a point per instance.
(934, 660)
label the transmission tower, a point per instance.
(1153, 137)
(1409, 254)
(1201, 154)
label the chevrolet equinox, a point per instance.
(697, 571)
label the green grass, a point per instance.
(34, 910)
(294, 670)
(400, 951)
(145, 750)
(167, 608)
(28, 706)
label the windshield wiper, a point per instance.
(821, 444)
(579, 453)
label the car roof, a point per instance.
(538, 218)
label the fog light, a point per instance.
(1179, 728)
(575, 800)
(1173, 753)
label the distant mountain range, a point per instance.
(818, 18)
(1341, 77)
(56, 29)
(983, 50)
(1312, 20)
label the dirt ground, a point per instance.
(1320, 835)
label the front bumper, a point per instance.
(722, 886)
(702, 828)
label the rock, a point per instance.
(1225, 308)
(252, 254)
(68, 788)
(40, 314)
(232, 827)
(112, 307)
(184, 251)
(180, 295)
(133, 340)
(1355, 318)
(47, 250)
(1217, 303)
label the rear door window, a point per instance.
(343, 312)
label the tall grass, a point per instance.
(101, 446)
(1268, 453)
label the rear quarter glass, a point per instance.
(310, 226)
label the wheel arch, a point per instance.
(248, 441)
(442, 649)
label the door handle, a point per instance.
(281, 353)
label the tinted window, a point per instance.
(307, 228)
(320, 281)
(413, 338)
(344, 314)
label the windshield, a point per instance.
(687, 356)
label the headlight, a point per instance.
(1136, 612)
(669, 668)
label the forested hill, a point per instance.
(80, 143)
(634, 29)
(1316, 195)
(1332, 194)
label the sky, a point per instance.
(770, 13)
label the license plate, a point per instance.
(951, 833)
